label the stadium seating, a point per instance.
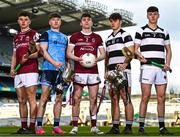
(6, 49)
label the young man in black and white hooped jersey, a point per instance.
(154, 44)
(115, 59)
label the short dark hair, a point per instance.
(54, 15)
(115, 16)
(85, 15)
(152, 9)
(25, 14)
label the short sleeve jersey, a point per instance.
(57, 43)
(152, 43)
(114, 45)
(20, 45)
(85, 43)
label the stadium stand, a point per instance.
(5, 49)
(71, 11)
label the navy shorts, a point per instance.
(48, 77)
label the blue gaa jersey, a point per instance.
(57, 43)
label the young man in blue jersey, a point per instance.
(117, 40)
(154, 44)
(53, 44)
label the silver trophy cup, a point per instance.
(67, 75)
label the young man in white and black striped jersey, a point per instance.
(116, 60)
(154, 44)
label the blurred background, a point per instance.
(134, 16)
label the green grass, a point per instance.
(84, 131)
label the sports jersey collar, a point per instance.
(86, 33)
(116, 33)
(151, 28)
(25, 31)
(54, 31)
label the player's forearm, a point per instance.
(168, 58)
(106, 64)
(127, 60)
(72, 56)
(48, 57)
(137, 54)
(33, 56)
(101, 57)
(13, 62)
(68, 63)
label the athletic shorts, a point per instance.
(26, 80)
(49, 78)
(153, 75)
(127, 74)
(86, 79)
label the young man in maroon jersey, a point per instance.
(26, 78)
(83, 42)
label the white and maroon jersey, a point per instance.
(85, 43)
(20, 45)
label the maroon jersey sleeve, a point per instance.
(99, 41)
(21, 45)
(73, 38)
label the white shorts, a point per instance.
(87, 79)
(127, 74)
(26, 80)
(153, 75)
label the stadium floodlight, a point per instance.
(12, 31)
(35, 10)
(45, 1)
(95, 6)
(125, 14)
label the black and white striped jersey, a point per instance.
(114, 45)
(152, 43)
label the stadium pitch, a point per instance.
(84, 131)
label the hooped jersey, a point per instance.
(85, 43)
(114, 45)
(20, 45)
(152, 43)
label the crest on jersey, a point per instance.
(93, 40)
(117, 40)
(113, 41)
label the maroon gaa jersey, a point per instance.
(20, 45)
(85, 43)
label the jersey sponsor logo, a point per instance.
(57, 42)
(147, 35)
(21, 44)
(87, 48)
